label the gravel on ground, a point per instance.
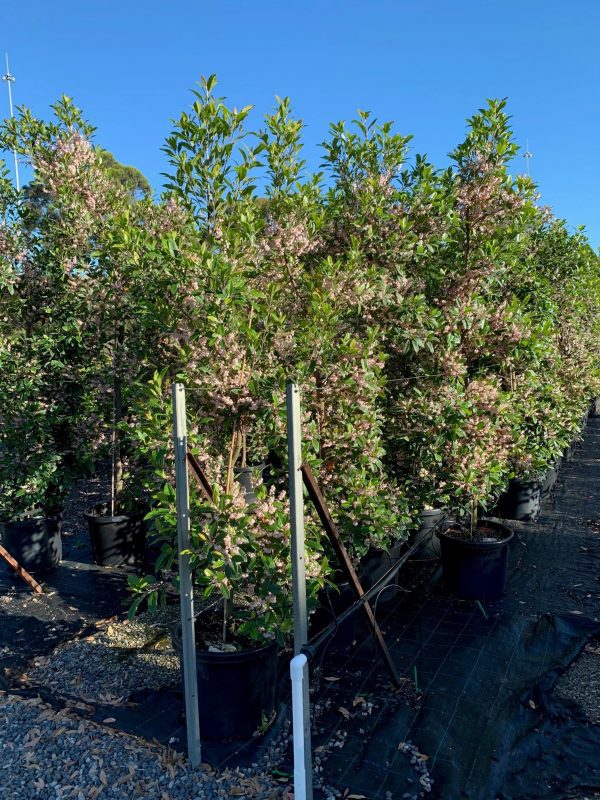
(581, 682)
(55, 755)
(106, 667)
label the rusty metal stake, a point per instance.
(198, 475)
(332, 532)
(21, 572)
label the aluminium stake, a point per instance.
(188, 637)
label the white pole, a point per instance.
(299, 676)
(301, 712)
(186, 591)
(9, 80)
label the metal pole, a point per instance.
(186, 591)
(527, 155)
(301, 728)
(297, 516)
(10, 79)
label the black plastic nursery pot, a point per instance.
(429, 520)
(521, 501)
(34, 538)
(377, 562)
(247, 479)
(117, 540)
(333, 601)
(550, 478)
(476, 570)
(373, 566)
(236, 691)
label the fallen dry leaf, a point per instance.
(110, 699)
(109, 719)
(344, 712)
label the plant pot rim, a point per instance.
(375, 550)
(225, 657)
(430, 512)
(473, 545)
(533, 480)
(35, 513)
(251, 468)
(93, 513)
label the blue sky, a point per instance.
(427, 64)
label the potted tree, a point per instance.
(240, 561)
(32, 474)
(30, 509)
(72, 299)
(117, 527)
(544, 412)
(474, 549)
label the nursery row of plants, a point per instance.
(442, 325)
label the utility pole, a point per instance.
(9, 80)
(527, 155)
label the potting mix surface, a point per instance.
(497, 699)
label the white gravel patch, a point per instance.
(581, 682)
(106, 667)
(53, 755)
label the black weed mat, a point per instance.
(475, 712)
(477, 700)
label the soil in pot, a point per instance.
(521, 501)
(236, 689)
(118, 539)
(474, 567)
(34, 539)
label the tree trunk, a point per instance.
(117, 461)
